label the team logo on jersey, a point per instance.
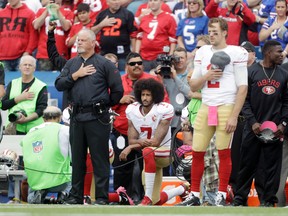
(154, 117)
(37, 146)
(268, 90)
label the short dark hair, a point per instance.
(268, 45)
(132, 55)
(155, 87)
(83, 7)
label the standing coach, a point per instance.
(93, 85)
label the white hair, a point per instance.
(89, 33)
(28, 57)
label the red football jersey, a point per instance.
(60, 34)
(155, 33)
(73, 31)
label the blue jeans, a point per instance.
(208, 196)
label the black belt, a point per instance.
(84, 109)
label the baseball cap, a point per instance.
(83, 7)
(248, 46)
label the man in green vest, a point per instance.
(46, 155)
(26, 97)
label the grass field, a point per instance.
(60, 210)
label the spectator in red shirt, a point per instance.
(238, 17)
(96, 6)
(144, 9)
(83, 15)
(16, 25)
(157, 30)
(64, 22)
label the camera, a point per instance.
(12, 117)
(166, 62)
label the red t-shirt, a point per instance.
(60, 34)
(234, 22)
(155, 33)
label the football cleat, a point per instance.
(190, 200)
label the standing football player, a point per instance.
(220, 71)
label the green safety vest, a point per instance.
(41, 152)
(193, 108)
(28, 105)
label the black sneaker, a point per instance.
(61, 197)
(72, 201)
(236, 203)
(190, 200)
(269, 204)
(100, 202)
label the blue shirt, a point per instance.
(190, 28)
(274, 35)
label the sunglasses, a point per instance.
(134, 63)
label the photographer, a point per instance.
(53, 153)
(173, 70)
(26, 97)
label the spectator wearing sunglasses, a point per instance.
(123, 175)
(194, 24)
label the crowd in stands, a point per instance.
(136, 36)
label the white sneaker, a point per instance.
(220, 200)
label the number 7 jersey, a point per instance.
(146, 125)
(155, 32)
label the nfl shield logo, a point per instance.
(37, 146)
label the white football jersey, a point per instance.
(224, 90)
(146, 125)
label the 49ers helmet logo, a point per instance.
(268, 90)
